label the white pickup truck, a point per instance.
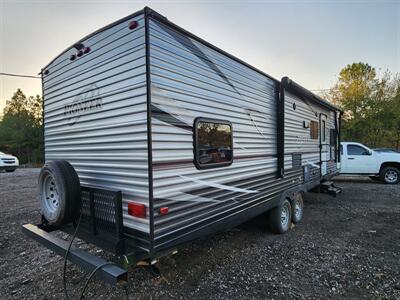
(8, 162)
(358, 159)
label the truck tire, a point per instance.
(297, 208)
(390, 175)
(280, 218)
(59, 192)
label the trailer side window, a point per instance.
(314, 130)
(332, 137)
(213, 144)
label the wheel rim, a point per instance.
(298, 209)
(50, 194)
(285, 215)
(391, 176)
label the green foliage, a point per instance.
(371, 105)
(21, 129)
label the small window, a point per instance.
(341, 149)
(323, 131)
(332, 137)
(356, 150)
(314, 130)
(213, 145)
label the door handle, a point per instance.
(350, 158)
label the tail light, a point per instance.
(137, 210)
(163, 210)
(86, 50)
(133, 25)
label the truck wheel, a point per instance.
(390, 175)
(59, 192)
(297, 208)
(280, 217)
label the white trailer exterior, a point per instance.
(122, 104)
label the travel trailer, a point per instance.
(154, 137)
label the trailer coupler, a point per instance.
(111, 274)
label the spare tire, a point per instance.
(59, 192)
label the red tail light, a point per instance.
(137, 210)
(133, 25)
(163, 210)
(86, 50)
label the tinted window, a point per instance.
(314, 130)
(332, 137)
(356, 150)
(323, 131)
(213, 143)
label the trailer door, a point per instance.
(323, 144)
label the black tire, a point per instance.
(59, 192)
(390, 175)
(297, 208)
(276, 223)
(10, 170)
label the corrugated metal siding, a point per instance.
(107, 145)
(297, 138)
(190, 80)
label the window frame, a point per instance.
(196, 162)
(323, 131)
(359, 146)
(313, 130)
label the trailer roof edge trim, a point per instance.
(297, 89)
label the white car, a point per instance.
(358, 159)
(8, 162)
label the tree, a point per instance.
(21, 130)
(369, 105)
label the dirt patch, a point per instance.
(345, 247)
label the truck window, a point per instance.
(314, 130)
(356, 150)
(213, 143)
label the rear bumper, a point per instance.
(111, 274)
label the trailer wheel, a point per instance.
(297, 208)
(280, 218)
(390, 175)
(59, 192)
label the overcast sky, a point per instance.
(309, 41)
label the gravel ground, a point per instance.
(345, 247)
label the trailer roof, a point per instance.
(293, 86)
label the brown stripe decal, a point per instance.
(189, 162)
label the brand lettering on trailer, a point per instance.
(87, 100)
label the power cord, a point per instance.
(66, 256)
(91, 274)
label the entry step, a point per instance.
(330, 188)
